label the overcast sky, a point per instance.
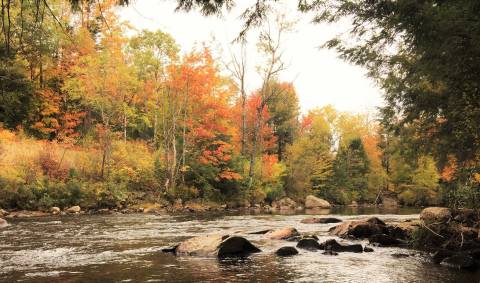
(318, 75)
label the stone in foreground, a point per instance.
(215, 245)
(312, 202)
(286, 251)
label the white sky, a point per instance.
(318, 75)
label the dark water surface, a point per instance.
(126, 248)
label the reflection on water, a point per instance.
(126, 248)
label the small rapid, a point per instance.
(127, 248)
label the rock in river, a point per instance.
(74, 209)
(384, 240)
(333, 245)
(312, 202)
(286, 251)
(3, 223)
(55, 210)
(323, 220)
(309, 244)
(360, 229)
(460, 261)
(282, 234)
(432, 214)
(214, 245)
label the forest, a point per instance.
(93, 114)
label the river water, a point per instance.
(126, 248)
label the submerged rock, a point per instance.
(74, 209)
(333, 245)
(329, 252)
(286, 251)
(323, 220)
(400, 255)
(367, 250)
(360, 228)
(312, 202)
(282, 234)
(459, 261)
(3, 223)
(261, 232)
(309, 244)
(3, 212)
(215, 245)
(434, 214)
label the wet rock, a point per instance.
(384, 240)
(359, 229)
(436, 214)
(55, 210)
(312, 202)
(329, 252)
(459, 261)
(367, 249)
(323, 220)
(74, 209)
(261, 232)
(3, 223)
(216, 245)
(171, 249)
(333, 245)
(400, 255)
(403, 230)
(440, 255)
(282, 234)
(309, 244)
(286, 251)
(284, 204)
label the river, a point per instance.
(126, 248)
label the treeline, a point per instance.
(93, 117)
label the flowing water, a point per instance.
(126, 248)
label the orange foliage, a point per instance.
(448, 172)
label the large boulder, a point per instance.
(215, 245)
(284, 204)
(333, 245)
(436, 214)
(309, 244)
(312, 202)
(3, 223)
(403, 230)
(74, 209)
(323, 220)
(286, 251)
(282, 234)
(359, 229)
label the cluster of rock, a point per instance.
(452, 235)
